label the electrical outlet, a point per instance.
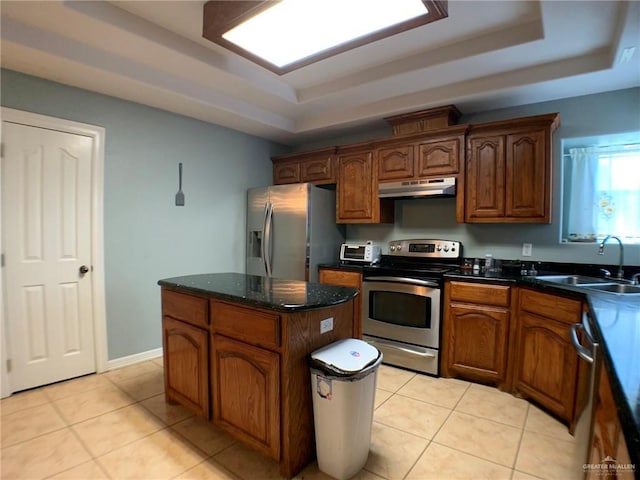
(326, 325)
(526, 249)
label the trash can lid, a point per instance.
(349, 355)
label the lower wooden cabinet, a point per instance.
(476, 329)
(186, 365)
(607, 439)
(344, 278)
(546, 364)
(246, 394)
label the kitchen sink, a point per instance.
(573, 279)
(622, 288)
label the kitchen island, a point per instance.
(236, 351)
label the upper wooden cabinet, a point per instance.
(435, 154)
(317, 166)
(508, 173)
(357, 191)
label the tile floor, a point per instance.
(117, 426)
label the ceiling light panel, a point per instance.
(295, 29)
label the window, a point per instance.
(602, 192)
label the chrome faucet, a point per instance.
(620, 275)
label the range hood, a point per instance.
(440, 187)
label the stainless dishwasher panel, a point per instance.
(588, 351)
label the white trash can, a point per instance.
(343, 387)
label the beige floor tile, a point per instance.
(439, 462)
(87, 471)
(482, 438)
(76, 386)
(204, 435)
(248, 464)
(545, 457)
(541, 422)
(114, 429)
(92, 403)
(207, 470)
(444, 392)
(159, 361)
(381, 397)
(43, 456)
(143, 386)
(491, 403)
(312, 472)
(392, 452)
(413, 416)
(523, 476)
(169, 414)
(161, 455)
(22, 400)
(30, 423)
(132, 371)
(392, 379)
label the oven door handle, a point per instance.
(412, 281)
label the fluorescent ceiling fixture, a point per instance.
(295, 29)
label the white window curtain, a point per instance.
(582, 211)
(604, 193)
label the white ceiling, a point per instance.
(485, 55)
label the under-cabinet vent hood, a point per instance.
(441, 187)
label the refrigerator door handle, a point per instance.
(263, 249)
(267, 238)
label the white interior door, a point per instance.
(47, 208)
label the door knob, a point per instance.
(83, 269)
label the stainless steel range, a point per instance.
(401, 299)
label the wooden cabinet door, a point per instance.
(485, 182)
(284, 173)
(439, 157)
(396, 163)
(355, 202)
(477, 337)
(344, 278)
(186, 365)
(246, 393)
(546, 363)
(318, 170)
(526, 176)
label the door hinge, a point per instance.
(8, 365)
(1, 259)
(2, 150)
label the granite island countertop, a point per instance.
(273, 293)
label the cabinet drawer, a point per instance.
(551, 306)
(499, 295)
(341, 278)
(246, 324)
(187, 308)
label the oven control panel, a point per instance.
(425, 248)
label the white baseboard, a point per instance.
(132, 359)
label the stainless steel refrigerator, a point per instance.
(290, 230)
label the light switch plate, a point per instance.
(326, 325)
(526, 249)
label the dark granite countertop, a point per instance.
(273, 293)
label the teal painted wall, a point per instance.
(600, 114)
(146, 237)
